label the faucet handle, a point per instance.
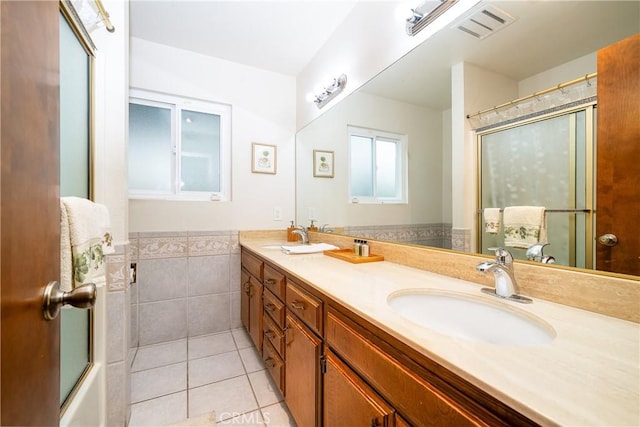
(503, 256)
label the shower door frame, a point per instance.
(589, 211)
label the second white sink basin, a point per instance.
(464, 316)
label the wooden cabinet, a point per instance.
(370, 377)
(302, 372)
(251, 297)
(349, 401)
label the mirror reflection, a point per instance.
(421, 98)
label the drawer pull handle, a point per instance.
(246, 287)
(270, 334)
(270, 307)
(297, 305)
(270, 362)
(374, 422)
(270, 281)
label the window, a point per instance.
(377, 166)
(178, 148)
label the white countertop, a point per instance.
(588, 375)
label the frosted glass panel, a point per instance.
(361, 166)
(540, 164)
(386, 160)
(75, 172)
(150, 148)
(528, 165)
(74, 348)
(200, 160)
(74, 114)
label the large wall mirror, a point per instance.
(413, 97)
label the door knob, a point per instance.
(608, 239)
(81, 297)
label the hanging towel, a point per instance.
(524, 226)
(83, 234)
(491, 220)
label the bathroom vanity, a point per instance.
(341, 355)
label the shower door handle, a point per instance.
(81, 297)
(608, 239)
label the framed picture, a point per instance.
(323, 164)
(263, 158)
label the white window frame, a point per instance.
(176, 104)
(401, 196)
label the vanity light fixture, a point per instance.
(331, 91)
(426, 13)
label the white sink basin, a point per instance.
(467, 317)
(308, 248)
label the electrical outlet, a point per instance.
(277, 213)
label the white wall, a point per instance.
(263, 110)
(329, 196)
(111, 88)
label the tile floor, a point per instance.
(223, 372)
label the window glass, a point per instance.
(178, 148)
(377, 172)
(361, 166)
(200, 162)
(150, 148)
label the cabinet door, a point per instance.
(302, 372)
(255, 312)
(245, 291)
(348, 401)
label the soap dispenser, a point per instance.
(290, 236)
(312, 227)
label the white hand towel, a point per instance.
(307, 249)
(491, 220)
(524, 226)
(82, 229)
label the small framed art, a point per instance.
(323, 164)
(263, 158)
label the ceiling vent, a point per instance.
(485, 22)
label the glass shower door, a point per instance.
(542, 163)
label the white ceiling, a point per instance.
(280, 36)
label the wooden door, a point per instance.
(302, 373)
(29, 211)
(348, 401)
(618, 156)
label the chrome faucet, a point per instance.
(302, 232)
(505, 282)
(325, 229)
(535, 253)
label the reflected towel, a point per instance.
(83, 234)
(524, 226)
(491, 220)
(307, 249)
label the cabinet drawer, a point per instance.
(306, 306)
(273, 333)
(274, 364)
(419, 401)
(274, 308)
(274, 281)
(253, 264)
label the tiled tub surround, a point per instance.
(589, 375)
(117, 335)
